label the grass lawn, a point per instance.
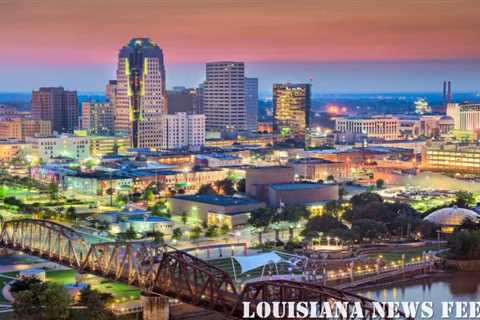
(117, 289)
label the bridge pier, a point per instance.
(155, 307)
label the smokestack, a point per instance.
(449, 94)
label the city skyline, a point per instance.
(408, 46)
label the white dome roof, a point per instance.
(453, 216)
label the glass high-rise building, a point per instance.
(251, 103)
(140, 99)
(224, 96)
(291, 108)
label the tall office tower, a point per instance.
(183, 131)
(98, 118)
(199, 106)
(57, 106)
(251, 103)
(140, 98)
(181, 99)
(291, 111)
(447, 92)
(111, 91)
(224, 98)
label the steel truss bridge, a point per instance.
(162, 270)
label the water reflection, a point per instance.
(450, 287)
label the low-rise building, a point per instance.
(258, 179)
(451, 158)
(67, 146)
(381, 127)
(300, 193)
(9, 149)
(215, 210)
(319, 169)
(218, 160)
(103, 145)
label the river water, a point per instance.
(449, 287)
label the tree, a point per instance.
(160, 209)
(260, 219)
(26, 305)
(55, 301)
(470, 224)
(333, 208)
(71, 213)
(241, 185)
(364, 198)
(52, 190)
(177, 234)
(368, 229)
(322, 224)
(96, 303)
(291, 215)
(465, 245)
(184, 217)
(206, 189)
(380, 183)
(464, 199)
(195, 233)
(224, 229)
(212, 231)
(331, 178)
(158, 236)
(148, 195)
(24, 283)
(225, 186)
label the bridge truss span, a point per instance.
(159, 269)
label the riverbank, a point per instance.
(434, 275)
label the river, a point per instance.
(448, 287)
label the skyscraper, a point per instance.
(291, 111)
(140, 93)
(98, 117)
(181, 99)
(251, 103)
(224, 97)
(57, 106)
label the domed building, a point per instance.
(446, 124)
(449, 218)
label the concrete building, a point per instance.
(181, 99)
(300, 193)
(63, 146)
(56, 105)
(11, 128)
(291, 111)
(9, 149)
(36, 128)
(451, 158)
(224, 96)
(219, 160)
(215, 210)
(182, 131)
(251, 103)
(140, 93)
(103, 145)
(258, 180)
(98, 118)
(316, 169)
(380, 127)
(466, 116)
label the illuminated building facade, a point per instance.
(291, 108)
(224, 96)
(182, 131)
(11, 128)
(466, 116)
(381, 127)
(63, 146)
(451, 158)
(98, 117)
(103, 145)
(140, 93)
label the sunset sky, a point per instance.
(344, 45)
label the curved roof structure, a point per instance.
(452, 216)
